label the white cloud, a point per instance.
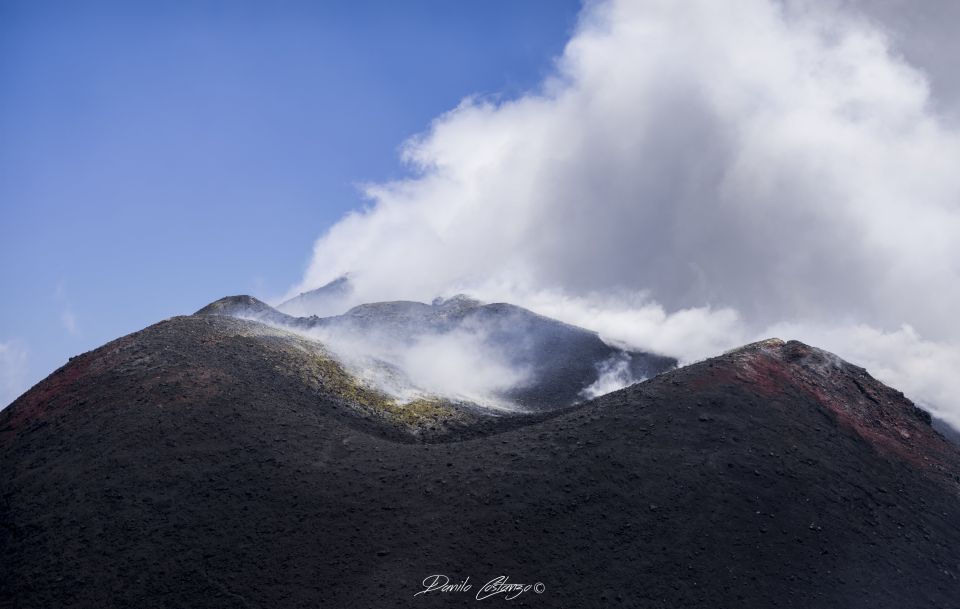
(13, 371)
(693, 175)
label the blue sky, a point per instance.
(157, 156)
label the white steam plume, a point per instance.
(612, 374)
(457, 364)
(694, 175)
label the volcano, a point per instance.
(224, 459)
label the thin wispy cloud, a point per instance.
(69, 322)
(68, 319)
(13, 371)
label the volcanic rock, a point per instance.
(208, 461)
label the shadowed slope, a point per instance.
(200, 463)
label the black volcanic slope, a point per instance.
(214, 462)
